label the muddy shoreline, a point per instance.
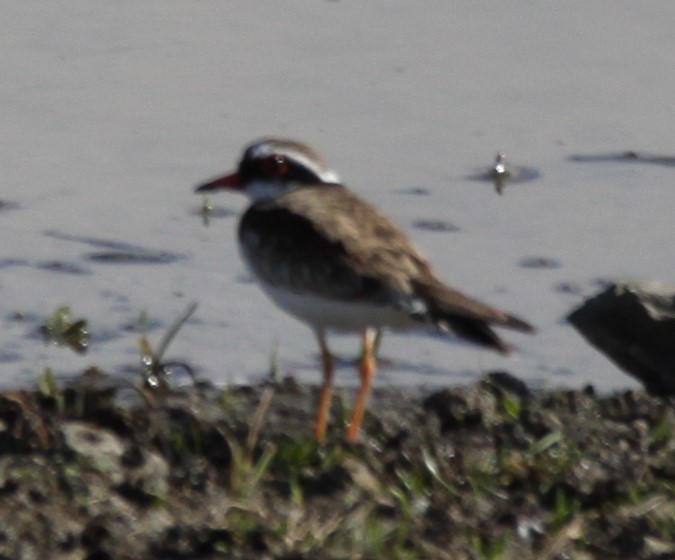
(491, 470)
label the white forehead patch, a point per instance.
(266, 148)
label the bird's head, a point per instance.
(272, 166)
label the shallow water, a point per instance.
(113, 112)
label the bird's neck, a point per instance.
(258, 191)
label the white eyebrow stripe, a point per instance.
(326, 175)
(265, 150)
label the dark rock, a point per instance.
(634, 326)
(94, 533)
(325, 483)
(133, 457)
(453, 410)
(505, 381)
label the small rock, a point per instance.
(633, 324)
(101, 448)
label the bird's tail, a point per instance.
(468, 318)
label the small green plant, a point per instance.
(295, 455)
(431, 465)
(62, 329)
(664, 431)
(544, 444)
(490, 549)
(566, 507)
(245, 524)
(377, 537)
(512, 405)
(49, 388)
(482, 472)
(247, 470)
(154, 366)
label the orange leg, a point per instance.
(326, 393)
(367, 369)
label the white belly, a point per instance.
(321, 313)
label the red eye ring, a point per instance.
(275, 165)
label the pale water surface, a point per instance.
(112, 111)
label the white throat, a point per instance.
(267, 190)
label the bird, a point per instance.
(328, 257)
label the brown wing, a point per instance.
(372, 245)
(308, 245)
(357, 252)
